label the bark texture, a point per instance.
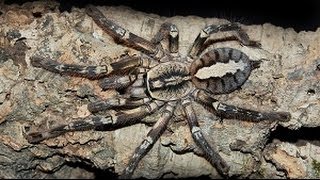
(33, 98)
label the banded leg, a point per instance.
(91, 72)
(137, 89)
(211, 155)
(117, 82)
(207, 31)
(122, 35)
(169, 35)
(122, 81)
(116, 102)
(81, 124)
(237, 65)
(153, 135)
(233, 112)
(110, 121)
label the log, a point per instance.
(32, 98)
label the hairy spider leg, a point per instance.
(168, 35)
(233, 112)
(138, 89)
(210, 154)
(235, 75)
(118, 82)
(153, 135)
(91, 72)
(112, 121)
(137, 94)
(120, 34)
(116, 102)
(197, 45)
(79, 124)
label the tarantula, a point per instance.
(161, 79)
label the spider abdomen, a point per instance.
(169, 81)
(221, 70)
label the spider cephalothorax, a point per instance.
(162, 79)
(169, 81)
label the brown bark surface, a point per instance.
(288, 80)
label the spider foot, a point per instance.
(98, 106)
(38, 61)
(281, 116)
(36, 137)
(254, 44)
(32, 137)
(255, 64)
(223, 168)
(126, 174)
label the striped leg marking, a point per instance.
(233, 112)
(116, 102)
(82, 124)
(120, 34)
(133, 116)
(90, 72)
(120, 119)
(93, 72)
(169, 35)
(123, 81)
(211, 155)
(152, 136)
(207, 31)
(117, 81)
(235, 69)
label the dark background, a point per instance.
(300, 15)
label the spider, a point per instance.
(160, 79)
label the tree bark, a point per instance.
(33, 98)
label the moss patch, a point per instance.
(316, 167)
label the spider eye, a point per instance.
(221, 70)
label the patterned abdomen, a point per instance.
(221, 70)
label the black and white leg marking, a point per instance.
(211, 155)
(90, 72)
(122, 35)
(233, 112)
(117, 82)
(174, 39)
(207, 31)
(136, 114)
(222, 70)
(132, 61)
(138, 68)
(137, 89)
(112, 121)
(116, 102)
(80, 124)
(152, 137)
(169, 36)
